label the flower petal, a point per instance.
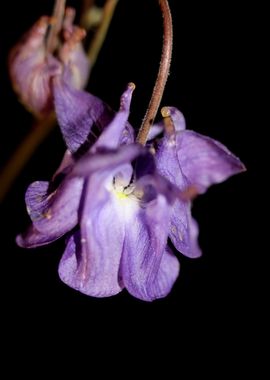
(82, 116)
(144, 247)
(184, 230)
(109, 160)
(77, 114)
(32, 238)
(91, 264)
(53, 214)
(117, 130)
(205, 161)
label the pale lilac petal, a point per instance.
(155, 130)
(91, 264)
(205, 161)
(177, 118)
(31, 70)
(144, 247)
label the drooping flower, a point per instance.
(32, 66)
(192, 162)
(121, 216)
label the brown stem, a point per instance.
(101, 33)
(163, 73)
(58, 14)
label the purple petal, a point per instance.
(82, 117)
(65, 165)
(109, 160)
(91, 264)
(77, 113)
(116, 131)
(144, 247)
(32, 238)
(177, 118)
(184, 230)
(167, 274)
(53, 214)
(205, 161)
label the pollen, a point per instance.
(120, 195)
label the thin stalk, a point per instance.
(163, 73)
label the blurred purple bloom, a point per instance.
(32, 67)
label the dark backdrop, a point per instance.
(214, 293)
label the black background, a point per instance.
(208, 83)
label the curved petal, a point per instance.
(205, 161)
(53, 214)
(33, 238)
(78, 112)
(82, 117)
(184, 230)
(91, 265)
(177, 118)
(144, 247)
(116, 131)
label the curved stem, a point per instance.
(58, 14)
(163, 73)
(101, 33)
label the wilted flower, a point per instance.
(32, 66)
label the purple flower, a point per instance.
(119, 202)
(192, 162)
(121, 216)
(32, 67)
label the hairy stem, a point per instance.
(163, 73)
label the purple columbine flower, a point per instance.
(32, 66)
(119, 202)
(120, 209)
